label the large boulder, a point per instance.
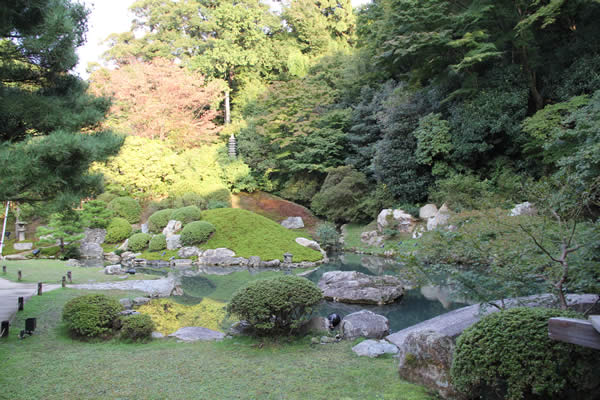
(356, 287)
(371, 238)
(91, 250)
(195, 333)
(96, 235)
(172, 227)
(112, 258)
(189, 252)
(113, 270)
(374, 348)
(254, 261)
(428, 211)
(395, 219)
(144, 228)
(293, 223)
(23, 246)
(311, 244)
(523, 209)
(220, 252)
(173, 242)
(364, 324)
(441, 218)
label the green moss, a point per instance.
(249, 234)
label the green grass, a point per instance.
(8, 248)
(157, 255)
(52, 271)
(400, 244)
(250, 234)
(50, 365)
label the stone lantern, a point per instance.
(232, 146)
(20, 228)
(287, 258)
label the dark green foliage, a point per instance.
(71, 251)
(290, 299)
(328, 236)
(126, 207)
(157, 243)
(106, 197)
(508, 355)
(138, 241)
(187, 214)
(196, 232)
(159, 219)
(194, 199)
(213, 204)
(138, 327)
(64, 227)
(118, 230)
(342, 196)
(95, 214)
(91, 315)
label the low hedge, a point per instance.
(138, 241)
(508, 355)
(126, 207)
(159, 219)
(157, 243)
(138, 327)
(278, 305)
(118, 230)
(91, 315)
(196, 232)
(187, 214)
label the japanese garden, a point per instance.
(301, 199)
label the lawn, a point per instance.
(52, 271)
(250, 234)
(50, 365)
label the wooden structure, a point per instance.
(576, 331)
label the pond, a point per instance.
(417, 304)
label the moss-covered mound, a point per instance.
(249, 234)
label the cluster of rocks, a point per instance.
(356, 287)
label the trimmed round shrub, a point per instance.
(126, 207)
(160, 219)
(194, 199)
(139, 241)
(157, 243)
(187, 214)
(508, 355)
(91, 315)
(118, 230)
(196, 232)
(106, 197)
(278, 305)
(138, 327)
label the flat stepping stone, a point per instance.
(595, 320)
(195, 333)
(374, 348)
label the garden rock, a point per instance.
(402, 221)
(356, 287)
(181, 263)
(23, 246)
(127, 255)
(293, 223)
(112, 258)
(140, 301)
(91, 250)
(428, 211)
(371, 238)
(96, 235)
(124, 245)
(240, 328)
(311, 244)
(523, 209)
(172, 227)
(157, 335)
(189, 252)
(195, 333)
(113, 270)
(144, 228)
(270, 264)
(441, 218)
(126, 303)
(374, 348)
(220, 252)
(72, 262)
(222, 261)
(173, 242)
(364, 324)
(254, 262)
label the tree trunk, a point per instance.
(227, 111)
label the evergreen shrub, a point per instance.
(138, 327)
(127, 208)
(138, 241)
(157, 243)
(196, 232)
(118, 230)
(160, 219)
(106, 197)
(91, 315)
(328, 235)
(274, 306)
(508, 355)
(187, 214)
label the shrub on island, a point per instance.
(196, 232)
(118, 230)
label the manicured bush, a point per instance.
(508, 355)
(275, 306)
(160, 219)
(118, 230)
(138, 327)
(187, 214)
(91, 315)
(157, 243)
(196, 232)
(139, 241)
(127, 208)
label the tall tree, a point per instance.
(44, 154)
